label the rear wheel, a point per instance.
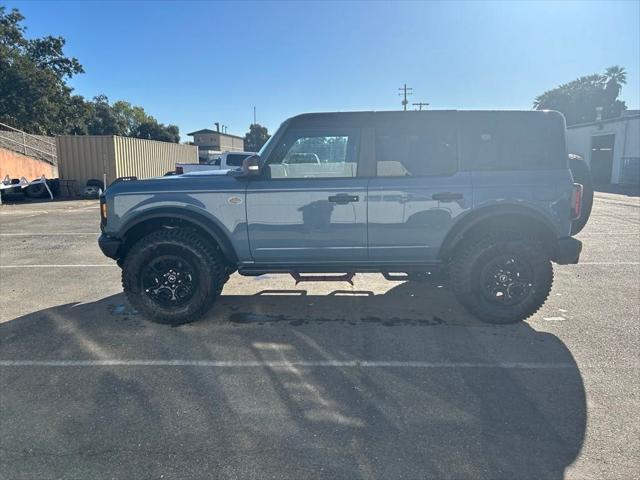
(501, 279)
(173, 276)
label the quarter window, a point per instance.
(503, 141)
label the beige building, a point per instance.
(84, 157)
(212, 143)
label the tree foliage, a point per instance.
(35, 96)
(256, 137)
(122, 118)
(578, 100)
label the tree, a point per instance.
(256, 137)
(614, 77)
(152, 130)
(103, 118)
(122, 118)
(34, 95)
(578, 100)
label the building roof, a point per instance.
(208, 130)
(204, 130)
(623, 118)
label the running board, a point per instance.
(347, 277)
(394, 277)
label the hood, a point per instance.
(199, 173)
(210, 180)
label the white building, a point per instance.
(610, 146)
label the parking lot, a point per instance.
(319, 380)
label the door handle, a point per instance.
(343, 198)
(447, 196)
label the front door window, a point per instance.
(309, 155)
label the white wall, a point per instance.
(627, 141)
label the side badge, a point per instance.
(234, 200)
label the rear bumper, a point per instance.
(109, 245)
(567, 251)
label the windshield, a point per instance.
(268, 146)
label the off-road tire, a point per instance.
(469, 260)
(211, 273)
(94, 182)
(582, 174)
(36, 191)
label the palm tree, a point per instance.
(614, 77)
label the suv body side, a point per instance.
(337, 190)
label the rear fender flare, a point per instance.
(475, 218)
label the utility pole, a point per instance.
(404, 92)
(254, 115)
(420, 105)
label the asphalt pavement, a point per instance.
(379, 380)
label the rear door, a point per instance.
(418, 191)
(310, 205)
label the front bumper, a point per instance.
(567, 251)
(109, 245)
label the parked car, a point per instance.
(486, 196)
(226, 161)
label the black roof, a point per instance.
(371, 117)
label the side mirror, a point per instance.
(251, 166)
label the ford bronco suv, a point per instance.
(486, 196)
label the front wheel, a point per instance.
(173, 276)
(501, 279)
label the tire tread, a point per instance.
(460, 271)
(177, 236)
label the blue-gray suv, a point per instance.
(488, 197)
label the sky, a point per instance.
(196, 63)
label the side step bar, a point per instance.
(347, 277)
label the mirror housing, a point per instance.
(251, 166)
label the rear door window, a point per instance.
(424, 151)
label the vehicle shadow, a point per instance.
(452, 398)
(628, 190)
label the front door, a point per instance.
(602, 158)
(309, 206)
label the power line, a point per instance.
(420, 105)
(404, 91)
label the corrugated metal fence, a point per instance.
(148, 158)
(84, 157)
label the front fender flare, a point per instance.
(210, 226)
